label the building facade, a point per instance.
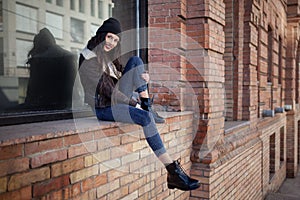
(225, 74)
(246, 84)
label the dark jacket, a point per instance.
(100, 89)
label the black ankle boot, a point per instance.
(146, 104)
(177, 178)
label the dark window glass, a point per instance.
(92, 7)
(60, 2)
(100, 9)
(72, 4)
(81, 6)
(39, 56)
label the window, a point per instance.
(41, 88)
(1, 16)
(109, 10)
(279, 60)
(270, 54)
(272, 157)
(282, 146)
(22, 45)
(26, 19)
(297, 76)
(60, 3)
(72, 4)
(92, 7)
(77, 30)
(54, 23)
(81, 6)
(100, 9)
(94, 28)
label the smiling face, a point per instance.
(111, 41)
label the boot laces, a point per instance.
(180, 167)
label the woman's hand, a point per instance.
(146, 76)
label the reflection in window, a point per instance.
(109, 10)
(94, 28)
(52, 75)
(100, 9)
(92, 7)
(77, 30)
(72, 4)
(22, 46)
(1, 59)
(54, 23)
(60, 3)
(26, 19)
(1, 15)
(81, 6)
(33, 86)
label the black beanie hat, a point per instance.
(111, 25)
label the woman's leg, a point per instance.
(129, 114)
(132, 81)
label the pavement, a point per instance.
(289, 190)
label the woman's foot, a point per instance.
(146, 104)
(177, 178)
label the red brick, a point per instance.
(111, 132)
(56, 195)
(21, 194)
(82, 149)
(71, 192)
(100, 179)
(67, 166)
(48, 157)
(43, 188)
(12, 151)
(24, 179)
(84, 174)
(13, 166)
(87, 184)
(3, 184)
(40, 146)
(94, 182)
(77, 139)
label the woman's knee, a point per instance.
(146, 120)
(137, 60)
(139, 116)
(134, 62)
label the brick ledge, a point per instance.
(44, 130)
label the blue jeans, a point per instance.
(131, 78)
(131, 81)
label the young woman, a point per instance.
(109, 89)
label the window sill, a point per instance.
(22, 133)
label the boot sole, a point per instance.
(184, 189)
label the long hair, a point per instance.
(106, 82)
(97, 42)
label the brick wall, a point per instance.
(244, 42)
(85, 160)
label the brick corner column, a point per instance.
(205, 25)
